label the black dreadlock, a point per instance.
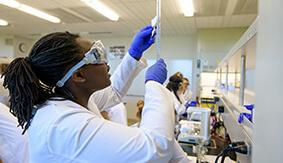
(30, 80)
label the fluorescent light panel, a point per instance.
(30, 10)
(10, 3)
(3, 22)
(102, 9)
(187, 7)
(38, 13)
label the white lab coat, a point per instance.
(13, 145)
(118, 114)
(179, 107)
(188, 95)
(64, 131)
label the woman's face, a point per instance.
(97, 75)
(180, 88)
(185, 84)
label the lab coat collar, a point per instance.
(61, 101)
(65, 102)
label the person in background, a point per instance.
(179, 74)
(140, 105)
(105, 115)
(187, 93)
(13, 145)
(175, 86)
(52, 94)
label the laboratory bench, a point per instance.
(215, 147)
(216, 143)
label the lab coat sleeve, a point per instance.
(121, 81)
(158, 110)
(179, 156)
(188, 95)
(118, 114)
(180, 108)
(93, 139)
(13, 145)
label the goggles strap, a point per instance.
(61, 82)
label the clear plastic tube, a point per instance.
(158, 30)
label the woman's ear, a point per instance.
(79, 76)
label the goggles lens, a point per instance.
(100, 50)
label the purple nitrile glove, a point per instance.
(247, 115)
(187, 104)
(142, 41)
(249, 107)
(190, 104)
(157, 72)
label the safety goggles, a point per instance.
(96, 55)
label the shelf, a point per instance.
(232, 125)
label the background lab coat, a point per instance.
(188, 95)
(179, 107)
(64, 131)
(118, 114)
(13, 145)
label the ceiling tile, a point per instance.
(246, 7)
(134, 14)
(241, 20)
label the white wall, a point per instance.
(214, 44)
(27, 43)
(9, 50)
(268, 130)
(6, 50)
(12, 48)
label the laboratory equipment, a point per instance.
(197, 128)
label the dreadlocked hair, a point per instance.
(31, 80)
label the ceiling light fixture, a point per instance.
(30, 10)
(12, 3)
(187, 7)
(3, 22)
(102, 9)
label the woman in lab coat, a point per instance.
(52, 91)
(13, 145)
(187, 93)
(175, 86)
